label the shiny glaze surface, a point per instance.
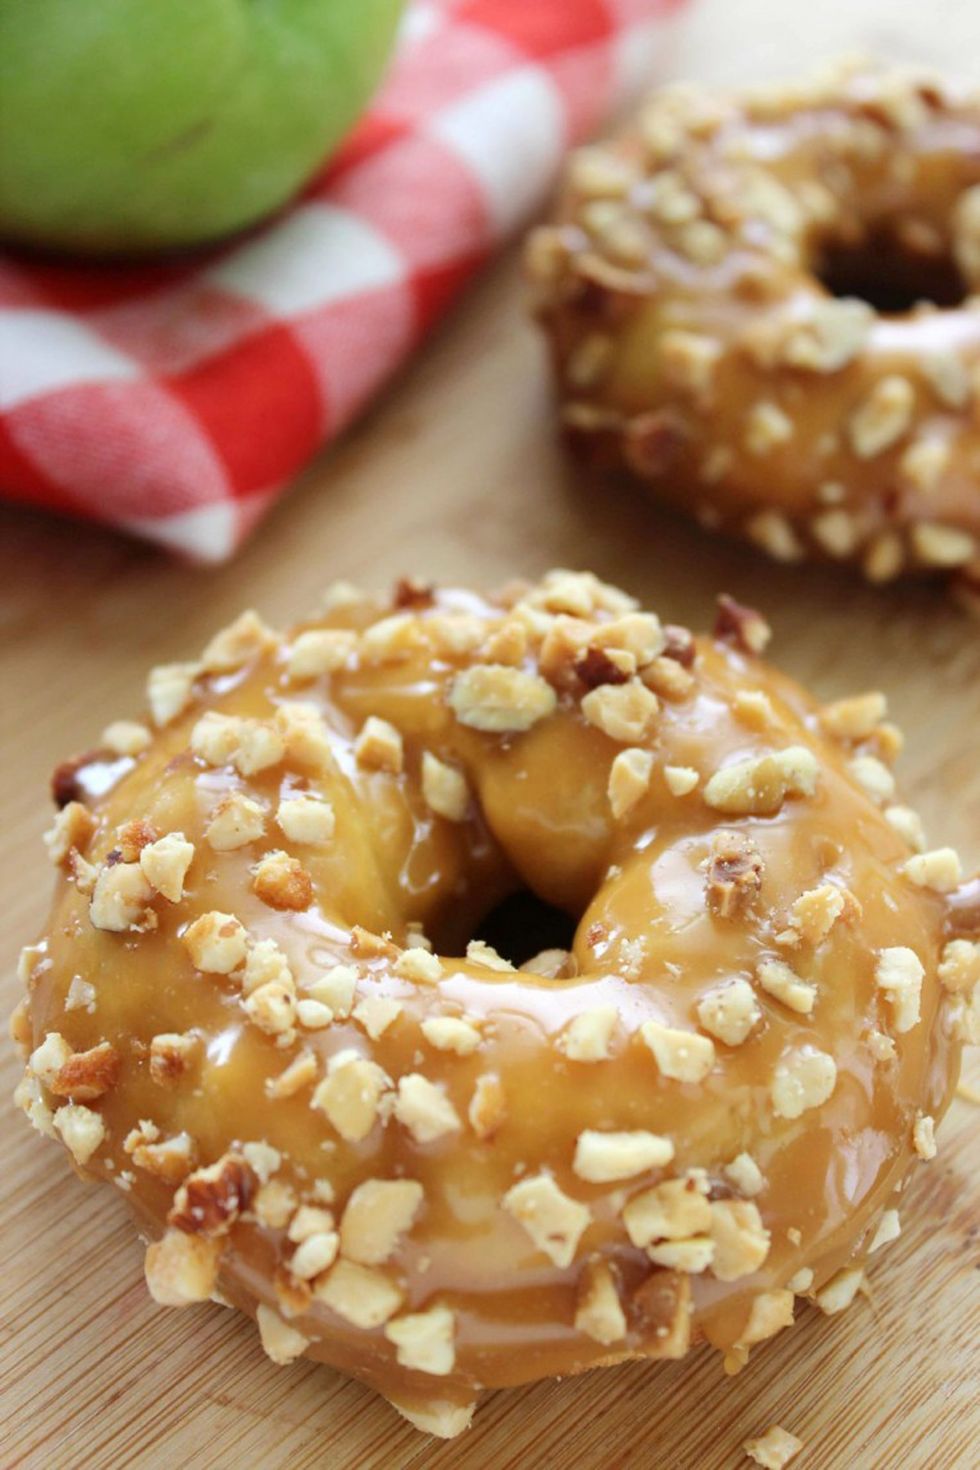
(866, 180)
(646, 943)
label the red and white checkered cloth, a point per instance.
(176, 400)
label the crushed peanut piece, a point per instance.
(939, 870)
(216, 942)
(120, 898)
(282, 882)
(621, 711)
(424, 1340)
(182, 1269)
(598, 1311)
(351, 1093)
(379, 746)
(82, 1131)
(629, 779)
(424, 1109)
(734, 873)
(236, 821)
(165, 864)
(680, 780)
(602, 1157)
(804, 1079)
(586, 1038)
(377, 1214)
(445, 789)
(488, 1106)
(774, 1449)
(170, 690)
(677, 1209)
(319, 651)
(899, 973)
(783, 984)
(839, 1291)
(246, 638)
(923, 1136)
(362, 1295)
(760, 784)
(451, 1033)
(682, 1055)
(306, 819)
(554, 1221)
(740, 1239)
(125, 737)
(729, 1011)
(497, 698)
(280, 1342)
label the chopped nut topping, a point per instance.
(586, 1038)
(959, 966)
(668, 678)
(216, 942)
(301, 1071)
(265, 962)
(783, 984)
(305, 735)
(424, 1109)
(874, 776)
(445, 789)
(889, 1229)
(119, 898)
(553, 1220)
(496, 698)
(274, 1204)
(376, 1013)
(767, 426)
(73, 827)
(623, 711)
(262, 1159)
(801, 1281)
(908, 824)
(170, 1160)
(774, 533)
(361, 1295)
(306, 819)
(741, 626)
(319, 651)
(883, 417)
(855, 718)
(182, 1269)
(682, 1055)
(734, 875)
(85, 1075)
(595, 666)
(451, 1033)
(774, 1449)
(598, 1312)
(680, 780)
(899, 973)
(923, 1136)
(729, 1011)
(488, 1106)
(82, 1131)
(236, 821)
(351, 1093)
(282, 882)
(246, 638)
(315, 1253)
(125, 737)
(378, 1213)
(839, 1291)
(745, 1174)
(480, 953)
(692, 1255)
(165, 863)
(760, 784)
(47, 1060)
(281, 1342)
(424, 1340)
(335, 989)
(379, 746)
(936, 545)
(804, 1079)
(884, 558)
(754, 708)
(881, 1047)
(272, 1008)
(815, 912)
(313, 1014)
(689, 360)
(677, 1209)
(602, 1157)
(170, 690)
(939, 870)
(740, 1239)
(210, 1200)
(418, 965)
(837, 532)
(629, 779)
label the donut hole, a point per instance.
(889, 271)
(522, 925)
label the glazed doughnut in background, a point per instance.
(761, 305)
(260, 1011)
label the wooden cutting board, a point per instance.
(456, 476)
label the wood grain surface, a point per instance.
(456, 476)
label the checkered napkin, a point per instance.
(176, 400)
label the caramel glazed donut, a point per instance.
(696, 343)
(442, 1174)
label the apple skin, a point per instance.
(137, 126)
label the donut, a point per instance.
(267, 1006)
(760, 307)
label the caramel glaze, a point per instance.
(540, 819)
(683, 293)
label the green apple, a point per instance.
(130, 126)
